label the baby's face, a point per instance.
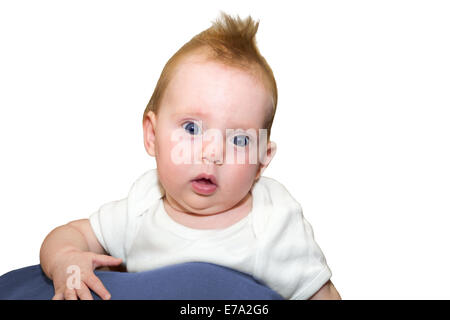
(202, 120)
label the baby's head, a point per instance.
(211, 113)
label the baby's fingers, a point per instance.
(70, 294)
(58, 296)
(84, 293)
(101, 260)
(96, 285)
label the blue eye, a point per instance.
(241, 141)
(191, 127)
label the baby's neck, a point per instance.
(213, 221)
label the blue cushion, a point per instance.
(193, 280)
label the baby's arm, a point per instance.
(75, 244)
(327, 292)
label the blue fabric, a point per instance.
(190, 281)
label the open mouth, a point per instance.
(204, 181)
(204, 184)
(206, 178)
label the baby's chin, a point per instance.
(201, 205)
(195, 204)
(210, 205)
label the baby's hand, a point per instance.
(72, 286)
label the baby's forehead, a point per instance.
(211, 90)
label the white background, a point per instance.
(362, 125)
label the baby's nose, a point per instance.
(212, 154)
(212, 148)
(208, 161)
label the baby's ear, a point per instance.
(266, 158)
(149, 126)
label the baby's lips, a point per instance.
(209, 177)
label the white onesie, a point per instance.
(273, 243)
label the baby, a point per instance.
(208, 126)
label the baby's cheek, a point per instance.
(172, 177)
(241, 176)
(173, 156)
(183, 152)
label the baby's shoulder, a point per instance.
(274, 191)
(145, 192)
(274, 207)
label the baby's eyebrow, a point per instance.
(190, 114)
(203, 115)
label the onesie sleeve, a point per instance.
(288, 259)
(109, 225)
